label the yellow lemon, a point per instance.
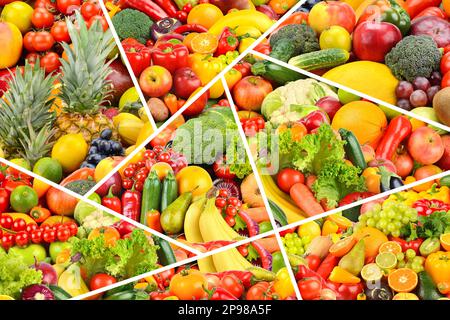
(70, 150)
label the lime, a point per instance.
(347, 97)
(386, 260)
(21, 162)
(49, 168)
(371, 272)
(23, 198)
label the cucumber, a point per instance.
(165, 252)
(321, 59)
(59, 293)
(445, 181)
(278, 213)
(126, 287)
(276, 73)
(128, 295)
(427, 288)
(169, 191)
(353, 149)
(151, 195)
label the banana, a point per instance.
(191, 220)
(292, 212)
(146, 131)
(212, 226)
(129, 129)
(241, 18)
(230, 260)
(143, 114)
(206, 265)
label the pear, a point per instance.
(353, 261)
(172, 218)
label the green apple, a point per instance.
(390, 113)
(430, 114)
(347, 97)
(30, 253)
(56, 248)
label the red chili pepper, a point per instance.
(426, 207)
(399, 128)
(228, 41)
(354, 196)
(327, 266)
(170, 56)
(182, 16)
(124, 227)
(413, 244)
(244, 68)
(414, 7)
(433, 12)
(139, 56)
(168, 6)
(188, 28)
(131, 204)
(264, 255)
(220, 293)
(148, 7)
(4, 200)
(112, 202)
(252, 226)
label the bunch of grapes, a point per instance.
(410, 260)
(418, 93)
(389, 218)
(295, 244)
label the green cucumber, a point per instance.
(126, 287)
(165, 252)
(322, 59)
(169, 191)
(353, 149)
(427, 288)
(278, 213)
(276, 73)
(59, 293)
(151, 195)
(128, 295)
(445, 181)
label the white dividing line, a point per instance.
(362, 95)
(100, 207)
(127, 64)
(260, 185)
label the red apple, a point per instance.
(404, 164)
(427, 171)
(198, 105)
(368, 152)
(373, 40)
(444, 161)
(185, 81)
(155, 81)
(120, 80)
(332, 13)
(268, 11)
(389, 165)
(315, 119)
(244, 114)
(249, 92)
(425, 146)
(330, 105)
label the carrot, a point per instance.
(310, 181)
(171, 102)
(259, 214)
(270, 244)
(305, 200)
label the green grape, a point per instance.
(306, 240)
(383, 214)
(400, 256)
(396, 233)
(289, 236)
(410, 254)
(301, 251)
(382, 223)
(368, 214)
(391, 214)
(376, 215)
(290, 243)
(371, 222)
(391, 227)
(416, 267)
(398, 224)
(401, 264)
(293, 250)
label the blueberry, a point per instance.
(106, 134)
(92, 150)
(116, 147)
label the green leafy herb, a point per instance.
(252, 253)
(240, 224)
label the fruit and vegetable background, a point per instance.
(67, 101)
(177, 47)
(55, 247)
(397, 250)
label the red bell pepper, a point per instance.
(131, 204)
(426, 207)
(112, 202)
(10, 183)
(246, 277)
(188, 28)
(433, 12)
(413, 244)
(399, 128)
(327, 266)
(414, 7)
(148, 7)
(264, 48)
(4, 200)
(354, 196)
(170, 56)
(139, 56)
(228, 41)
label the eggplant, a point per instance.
(378, 291)
(37, 292)
(163, 27)
(394, 182)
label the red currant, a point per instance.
(6, 221)
(22, 238)
(19, 225)
(231, 211)
(149, 154)
(63, 234)
(36, 236)
(223, 193)
(220, 203)
(30, 227)
(49, 236)
(230, 221)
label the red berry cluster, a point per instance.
(252, 125)
(135, 175)
(18, 232)
(230, 206)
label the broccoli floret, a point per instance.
(414, 56)
(130, 23)
(301, 35)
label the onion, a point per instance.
(163, 26)
(37, 292)
(230, 185)
(49, 275)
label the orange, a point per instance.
(204, 43)
(204, 14)
(403, 280)
(162, 169)
(445, 241)
(405, 296)
(373, 239)
(446, 5)
(390, 246)
(187, 41)
(342, 247)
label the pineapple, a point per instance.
(25, 117)
(84, 87)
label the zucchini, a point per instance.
(276, 73)
(353, 149)
(169, 191)
(128, 295)
(59, 293)
(322, 59)
(165, 252)
(126, 287)
(445, 181)
(277, 213)
(151, 195)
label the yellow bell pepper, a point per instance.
(206, 67)
(340, 275)
(442, 193)
(232, 77)
(283, 284)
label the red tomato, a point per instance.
(286, 178)
(447, 49)
(163, 278)
(163, 137)
(309, 288)
(59, 32)
(445, 63)
(232, 284)
(313, 261)
(100, 18)
(63, 5)
(42, 18)
(189, 285)
(213, 281)
(47, 4)
(446, 80)
(50, 62)
(244, 68)
(90, 9)
(295, 18)
(32, 57)
(198, 105)
(260, 291)
(28, 41)
(43, 41)
(222, 170)
(101, 280)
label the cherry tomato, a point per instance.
(139, 186)
(231, 211)
(163, 278)
(46, 4)
(127, 183)
(140, 164)
(259, 121)
(45, 227)
(128, 172)
(50, 62)
(22, 238)
(287, 177)
(220, 202)
(259, 291)
(223, 193)
(158, 149)
(63, 234)
(28, 41)
(313, 261)
(7, 241)
(164, 157)
(42, 18)
(224, 103)
(63, 5)
(6, 221)
(446, 80)
(445, 63)
(141, 175)
(244, 68)
(309, 288)
(235, 202)
(232, 284)
(101, 280)
(32, 57)
(243, 250)
(100, 18)
(230, 220)
(90, 9)
(43, 41)
(73, 227)
(60, 32)
(49, 235)
(19, 225)
(36, 236)
(149, 154)
(31, 227)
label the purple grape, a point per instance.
(421, 83)
(432, 91)
(404, 104)
(404, 90)
(418, 98)
(435, 78)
